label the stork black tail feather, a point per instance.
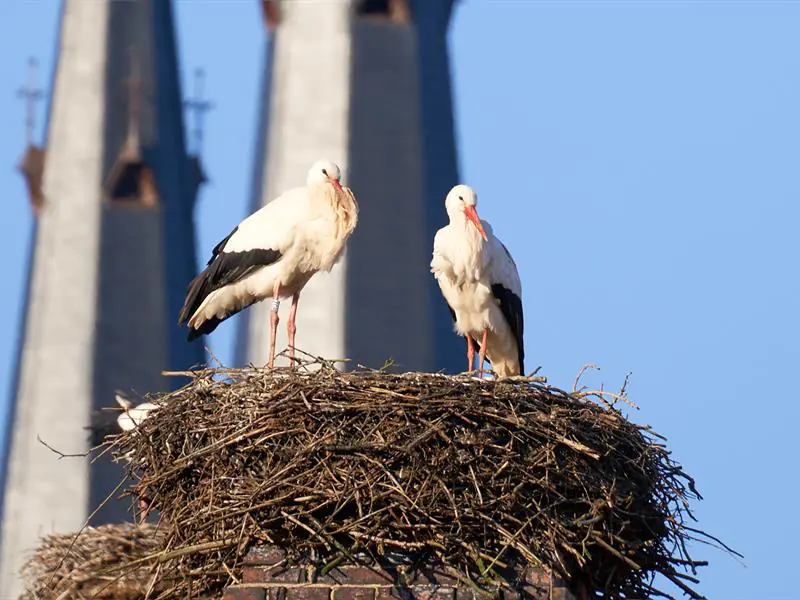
(195, 294)
(210, 325)
(222, 269)
(204, 329)
(511, 307)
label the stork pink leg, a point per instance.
(470, 354)
(291, 327)
(482, 352)
(273, 323)
(144, 510)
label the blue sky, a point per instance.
(640, 159)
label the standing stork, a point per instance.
(274, 253)
(480, 282)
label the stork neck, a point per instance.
(466, 252)
(346, 209)
(468, 232)
(341, 203)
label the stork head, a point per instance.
(132, 417)
(324, 171)
(461, 203)
(123, 402)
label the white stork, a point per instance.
(273, 253)
(131, 415)
(130, 418)
(480, 282)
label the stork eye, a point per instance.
(325, 172)
(461, 198)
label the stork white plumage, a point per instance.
(131, 416)
(479, 280)
(274, 253)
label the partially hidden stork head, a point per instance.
(461, 202)
(324, 171)
(123, 402)
(132, 417)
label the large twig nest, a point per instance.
(477, 474)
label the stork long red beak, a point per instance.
(337, 184)
(472, 215)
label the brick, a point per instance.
(545, 592)
(392, 593)
(277, 593)
(234, 593)
(354, 575)
(259, 574)
(309, 593)
(264, 555)
(436, 576)
(353, 592)
(433, 592)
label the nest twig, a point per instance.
(479, 475)
(101, 567)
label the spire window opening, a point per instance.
(131, 183)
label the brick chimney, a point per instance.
(264, 577)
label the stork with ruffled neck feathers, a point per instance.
(479, 280)
(274, 253)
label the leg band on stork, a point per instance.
(273, 323)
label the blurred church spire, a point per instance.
(112, 252)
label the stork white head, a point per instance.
(324, 171)
(122, 401)
(132, 417)
(461, 203)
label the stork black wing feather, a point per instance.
(218, 248)
(511, 307)
(224, 268)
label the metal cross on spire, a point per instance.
(199, 107)
(31, 94)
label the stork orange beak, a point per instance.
(472, 215)
(336, 184)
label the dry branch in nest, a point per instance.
(101, 564)
(479, 475)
